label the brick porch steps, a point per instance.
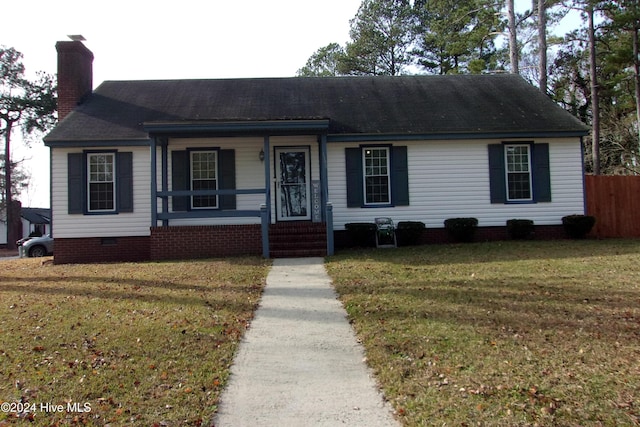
(298, 240)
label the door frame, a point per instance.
(276, 167)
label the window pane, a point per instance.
(518, 158)
(519, 186)
(204, 176)
(377, 189)
(101, 182)
(376, 175)
(205, 201)
(518, 172)
(101, 196)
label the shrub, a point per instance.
(520, 228)
(409, 232)
(362, 233)
(461, 229)
(577, 226)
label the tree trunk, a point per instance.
(513, 38)
(636, 72)
(10, 211)
(542, 44)
(595, 105)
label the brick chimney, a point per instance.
(75, 75)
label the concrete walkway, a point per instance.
(299, 363)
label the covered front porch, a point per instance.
(265, 189)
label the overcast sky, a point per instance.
(160, 39)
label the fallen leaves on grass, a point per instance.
(505, 333)
(143, 343)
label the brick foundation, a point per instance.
(101, 249)
(188, 242)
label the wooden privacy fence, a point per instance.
(615, 202)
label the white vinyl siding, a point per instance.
(450, 179)
(446, 179)
(135, 223)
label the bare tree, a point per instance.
(595, 102)
(636, 73)
(24, 104)
(513, 37)
(542, 44)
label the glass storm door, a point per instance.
(292, 184)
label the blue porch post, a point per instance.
(264, 215)
(154, 184)
(164, 144)
(324, 183)
(330, 243)
(265, 209)
(155, 141)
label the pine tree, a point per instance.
(24, 104)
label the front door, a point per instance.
(292, 184)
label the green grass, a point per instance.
(497, 334)
(501, 334)
(141, 343)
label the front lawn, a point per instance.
(501, 334)
(121, 344)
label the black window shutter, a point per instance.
(399, 177)
(124, 181)
(497, 180)
(180, 179)
(353, 158)
(75, 183)
(541, 173)
(227, 167)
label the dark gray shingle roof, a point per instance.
(423, 105)
(36, 215)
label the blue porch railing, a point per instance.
(263, 212)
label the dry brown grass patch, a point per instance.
(140, 343)
(501, 334)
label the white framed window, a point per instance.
(204, 176)
(377, 180)
(101, 182)
(518, 172)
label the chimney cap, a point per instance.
(77, 37)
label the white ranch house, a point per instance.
(277, 166)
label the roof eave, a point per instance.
(97, 143)
(454, 136)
